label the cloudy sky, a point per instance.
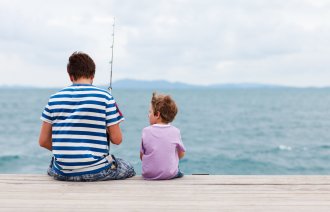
(284, 42)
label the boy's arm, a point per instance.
(141, 155)
(45, 138)
(115, 134)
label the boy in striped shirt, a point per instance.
(77, 123)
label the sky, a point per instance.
(283, 42)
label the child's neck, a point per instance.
(161, 122)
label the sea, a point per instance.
(254, 131)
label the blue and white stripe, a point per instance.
(79, 115)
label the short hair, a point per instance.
(81, 65)
(165, 105)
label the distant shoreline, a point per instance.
(162, 84)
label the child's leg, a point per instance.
(178, 175)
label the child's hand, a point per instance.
(181, 154)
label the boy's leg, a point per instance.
(51, 172)
(124, 169)
(120, 170)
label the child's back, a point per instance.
(160, 147)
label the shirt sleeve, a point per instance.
(180, 145)
(47, 115)
(113, 114)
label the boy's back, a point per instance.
(78, 124)
(79, 114)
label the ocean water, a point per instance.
(228, 131)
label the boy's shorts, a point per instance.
(119, 170)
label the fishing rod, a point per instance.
(111, 62)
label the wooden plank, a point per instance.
(202, 179)
(191, 193)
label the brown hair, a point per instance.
(81, 65)
(165, 105)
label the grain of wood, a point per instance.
(190, 193)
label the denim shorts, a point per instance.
(178, 175)
(119, 170)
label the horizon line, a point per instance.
(213, 85)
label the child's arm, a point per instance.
(45, 138)
(181, 154)
(141, 155)
(141, 150)
(180, 147)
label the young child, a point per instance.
(161, 146)
(75, 125)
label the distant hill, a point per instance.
(246, 85)
(162, 84)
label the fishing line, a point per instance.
(111, 61)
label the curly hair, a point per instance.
(81, 65)
(165, 105)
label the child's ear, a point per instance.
(157, 115)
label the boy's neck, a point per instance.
(83, 81)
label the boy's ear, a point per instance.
(71, 78)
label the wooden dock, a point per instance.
(191, 193)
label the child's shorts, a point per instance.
(178, 175)
(119, 170)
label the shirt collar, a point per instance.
(161, 125)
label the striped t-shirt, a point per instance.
(79, 115)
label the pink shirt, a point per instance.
(160, 145)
